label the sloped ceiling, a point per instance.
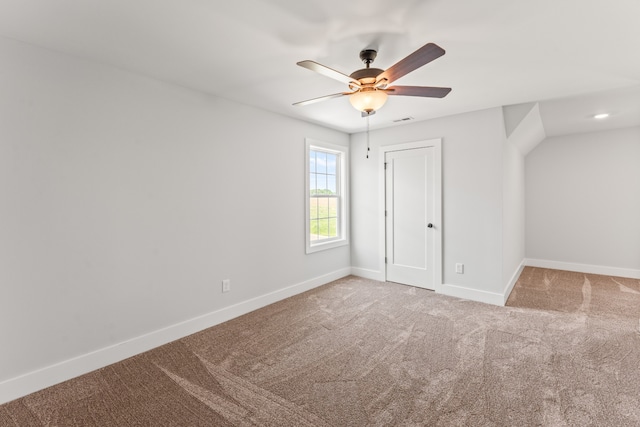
(564, 116)
(499, 52)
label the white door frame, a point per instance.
(437, 221)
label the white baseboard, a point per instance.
(450, 290)
(584, 268)
(368, 274)
(472, 294)
(513, 281)
(22, 385)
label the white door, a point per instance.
(410, 216)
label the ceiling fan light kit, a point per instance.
(369, 87)
(368, 100)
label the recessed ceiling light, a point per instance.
(601, 116)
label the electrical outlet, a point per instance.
(226, 285)
(459, 268)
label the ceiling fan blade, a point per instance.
(426, 91)
(329, 72)
(417, 59)
(322, 98)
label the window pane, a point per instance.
(331, 184)
(312, 183)
(323, 207)
(331, 163)
(312, 161)
(313, 207)
(333, 207)
(321, 162)
(333, 227)
(323, 228)
(313, 230)
(321, 185)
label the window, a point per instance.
(326, 196)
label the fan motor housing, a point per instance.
(365, 73)
(369, 74)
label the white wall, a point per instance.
(472, 167)
(583, 201)
(124, 201)
(513, 215)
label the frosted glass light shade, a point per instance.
(368, 99)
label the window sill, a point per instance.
(326, 245)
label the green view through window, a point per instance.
(323, 195)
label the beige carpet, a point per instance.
(358, 352)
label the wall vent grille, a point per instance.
(405, 119)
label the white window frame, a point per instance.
(342, 185)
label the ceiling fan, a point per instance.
(369, 87)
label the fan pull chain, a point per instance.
(368, 148)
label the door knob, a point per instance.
(430, 225)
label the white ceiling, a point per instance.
(499, 52)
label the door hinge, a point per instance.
(385, 260)
(385, 213)
(385, 165)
